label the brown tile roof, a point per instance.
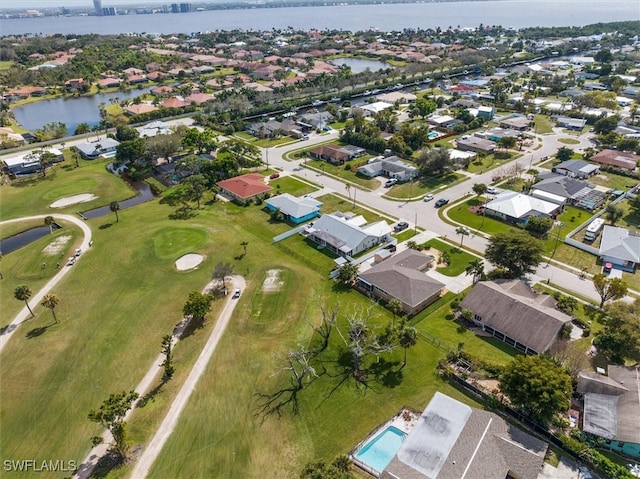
(620, 159)
(245, 186)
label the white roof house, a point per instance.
(346, 235)
(620, 247)
(376, 107)
(94, 149)
(293, 207)
(514, 206)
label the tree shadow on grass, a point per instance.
(35, 332)
(151, 395)
(184, 212)
(274, 403)
(108, 463)
(192, 326)
(105, 226)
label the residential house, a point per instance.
(497, 134)
(476, 144)
(161, 90)
(175, 103)
(347, 235)
(576, 169)
(390, 167)
(443, 121)
(571, 123)
(566, 190)
(393, 97)
(486, 112)
(611, 407)
(24, 92)
(274, 128)
(620, 247)
(200, 98)
(96, 149)
(402, 277)
(108, 82)
(318, 120)
(244, 188)
(518, 208)
(136, 79)
(74, 84)
(29, 163)
(370, 109)
(516, 122)
(512, 312)
(334, 154)
(295, 209)
(452, 440)
(619, 159)
(139, 109)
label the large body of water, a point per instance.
(358, 65)
(70, 111)
(385, 17)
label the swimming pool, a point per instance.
(110, 154)
(432, 135)
(378, 452)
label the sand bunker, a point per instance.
(56, 246)
(72, 200)
(189, 261)
(271, 283)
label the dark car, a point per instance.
(403, 225)
(274, 176)
(441, 202)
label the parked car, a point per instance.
(236, 294)
(492, 190)
(428, 197)
(273, 176)
(403, 225)
(390, 183)
(71, 261)
(441, 202)
(305, 137)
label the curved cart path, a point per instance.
(153, 448)
(24, 314)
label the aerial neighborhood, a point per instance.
(321, 253)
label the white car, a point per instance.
(71, 261)
(492, 190)
(236, 294)
(428, 197)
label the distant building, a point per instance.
(181, 7)
(97, 4)
(109, 11)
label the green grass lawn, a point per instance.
(460, 213)
(24, 265)
(291, 185)
(332, 203)
(33, 196)
(542, 124)
(484, 164)
(459, 258)
(613, 181)
(419, 188)
(340, 172)
(569, 141)
(125, 294)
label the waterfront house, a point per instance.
(95, 149)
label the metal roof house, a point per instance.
(95, 149)
(452, 441)
(512, 312)
(576, 169)
(402, 277)
(518, 208)
(611, 407)
(295, 209)
(620, 247)
(347, 235)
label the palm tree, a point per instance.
(408, 337)
(395, 306)
(462, 231)
(115, 206)
(49, 221)
(51, 301)
(23, 293)
(476, 269)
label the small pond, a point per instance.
(17, 241)
(358, 65)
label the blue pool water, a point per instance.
(432, 135)
(378, 452)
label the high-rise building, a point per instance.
(97, 4)
(181, 7)
(109, 11)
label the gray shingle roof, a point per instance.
(401, 277)
(620, 243)
(562, 185)
(503, 307)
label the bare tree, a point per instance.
(327, 323)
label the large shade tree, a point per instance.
(620, 339)
(609, 288)
(111, 416)
(516, 251)
(537, 385)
